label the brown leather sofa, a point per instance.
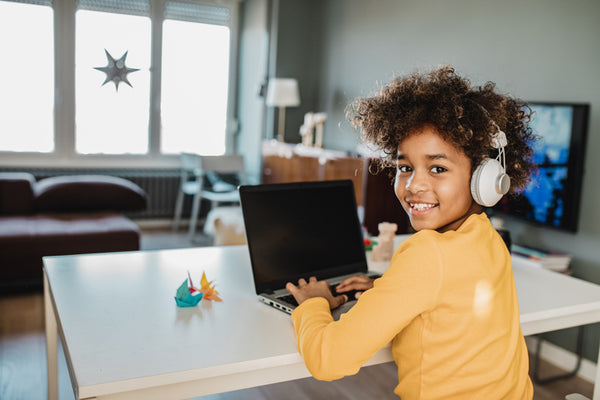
(59, 216)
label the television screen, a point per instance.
(552, 197)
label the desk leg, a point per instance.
(51, 343)
(536, 363)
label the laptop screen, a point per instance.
(302, 229)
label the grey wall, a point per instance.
(252, 71)
(544, 50)
(271, 46)
(298, 55)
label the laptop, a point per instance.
(298, 230)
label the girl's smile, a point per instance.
(432, 182)
(420, 208)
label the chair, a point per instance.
(195, 171)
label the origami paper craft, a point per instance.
(209, 291)
(188, 295)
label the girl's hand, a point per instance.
(359, 283)
(315, 288)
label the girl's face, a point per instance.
(433, 182)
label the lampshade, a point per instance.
(283, 92)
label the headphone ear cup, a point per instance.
(489, 183)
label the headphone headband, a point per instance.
(499, 140)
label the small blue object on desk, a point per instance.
(186, 298)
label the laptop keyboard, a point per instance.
(289, 299)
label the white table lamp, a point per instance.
(282, 93)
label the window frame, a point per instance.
(64, 154)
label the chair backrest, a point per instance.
(197, 165)
(225, 164)
(191, 162)
(228, 163)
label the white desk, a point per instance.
(124, 338)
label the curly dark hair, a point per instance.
(463, 115)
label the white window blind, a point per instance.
(206, 14)
(38, 2)
(131, 7)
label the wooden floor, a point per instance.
(23, 371)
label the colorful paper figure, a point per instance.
(209, 291)
(188, 295)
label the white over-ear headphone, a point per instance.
(490, 181)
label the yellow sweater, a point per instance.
(449, 306)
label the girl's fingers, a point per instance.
(354, 279)
(290, 287)
(355, 283)
(314, 288)
(338, 301)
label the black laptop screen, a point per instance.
(302, 229)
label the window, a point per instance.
(195, 66)
(178, 55)
(111, 118)
(27, 71)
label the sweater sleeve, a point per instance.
(333, 349)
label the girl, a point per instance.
(447, 303)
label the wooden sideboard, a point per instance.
(286, 162)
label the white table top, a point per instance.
(122, 330)
(120, 321)
(550, 300)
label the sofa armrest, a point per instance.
(87, 193)
(16, 193)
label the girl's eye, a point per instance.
(438, 170)
(404, 168)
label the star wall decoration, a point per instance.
(116, 71)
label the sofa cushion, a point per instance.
(16, 193)
(24, 240)
(88, 192)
